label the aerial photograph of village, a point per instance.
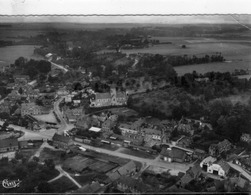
(138, 107)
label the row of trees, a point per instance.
(187, 60)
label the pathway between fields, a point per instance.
(64, 173)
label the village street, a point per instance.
(45, 135)
(239, 169)
(64, 125)
(154, 162)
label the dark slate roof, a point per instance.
(127, 168)
(8, 143)
(224, 165)
(133, 183)
(91, 188)
(61, 138)
(224, 143)
(195, 171)
(23, 143)
(242, 182)
(114, 176)
(186, 179)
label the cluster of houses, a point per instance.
(142, 133)
(205, 176)
(9, 146)
(28, 100)
(33, 109)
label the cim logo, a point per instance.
(11, 183)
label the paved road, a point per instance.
(136, 61)
(238, 168)
(55, 178)
(154, 162)
(58, 66)
(37, 153)
(64, 125)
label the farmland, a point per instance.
(236, 52)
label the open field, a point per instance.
(63, 184)
(236, 52)
(46, 118)
(195, 48)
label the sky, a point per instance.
(8, 8)
(132, 19)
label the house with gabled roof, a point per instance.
(127, 169)
(191, 174)
(112, 98)
(73, 115)
(131, 185)
(14, 95)
(94, 187)
(214, 166)
(21, 78)
(7, 145)
(245, 137)
(127, 128)
(5, 107)
(217, 149)
(156, 134)
(173, 154)
(185, 128)
(61, 141)
(33, 109)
